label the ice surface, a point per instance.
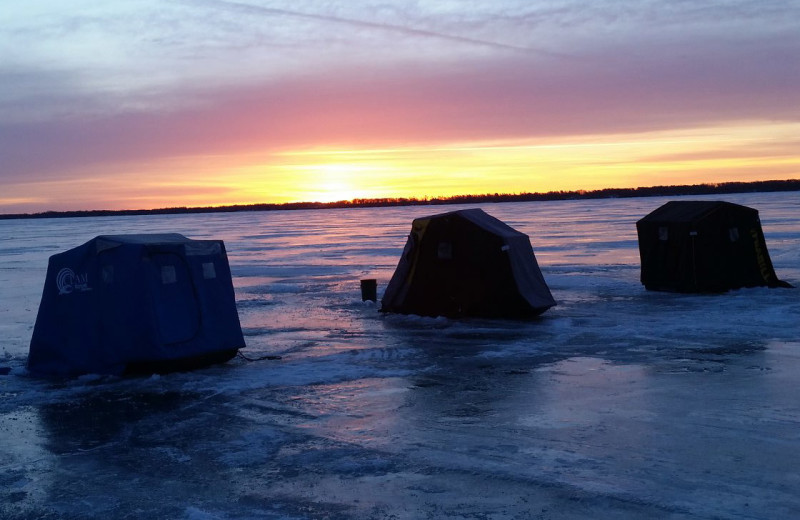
(617, 403)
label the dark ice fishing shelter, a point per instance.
(467, 263)
(704, 246)
(136, 303)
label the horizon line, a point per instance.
(640, 191)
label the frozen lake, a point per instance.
(617, 403)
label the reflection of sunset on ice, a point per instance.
(583, 412)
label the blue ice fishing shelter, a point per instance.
(136, 304)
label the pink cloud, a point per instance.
(519, 96)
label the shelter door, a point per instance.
(175, 301)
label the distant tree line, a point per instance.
(606, 193)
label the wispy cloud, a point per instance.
(383, 27)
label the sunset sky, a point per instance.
(161, 103)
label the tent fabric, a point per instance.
(467, 263)
(704, 246)
(136, 303)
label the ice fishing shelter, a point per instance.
(467, 263)
(704, 246)
(136, 303)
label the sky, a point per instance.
(108, 104)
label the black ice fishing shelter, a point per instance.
(136, 303)
(704, 246)
(467, 263)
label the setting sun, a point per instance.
(331, 182)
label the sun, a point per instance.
(333, 182)
(333, 191)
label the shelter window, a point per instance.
(733, 233)
(445, 251)
(108, 274)
(208, 270)
(168, 274)
(663, 233)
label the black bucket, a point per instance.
(369, 290)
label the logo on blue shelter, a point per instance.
(67, 281)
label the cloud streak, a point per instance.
(379, 26)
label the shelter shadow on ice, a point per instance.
(136, 303)
(467, 263)
(704, 246)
